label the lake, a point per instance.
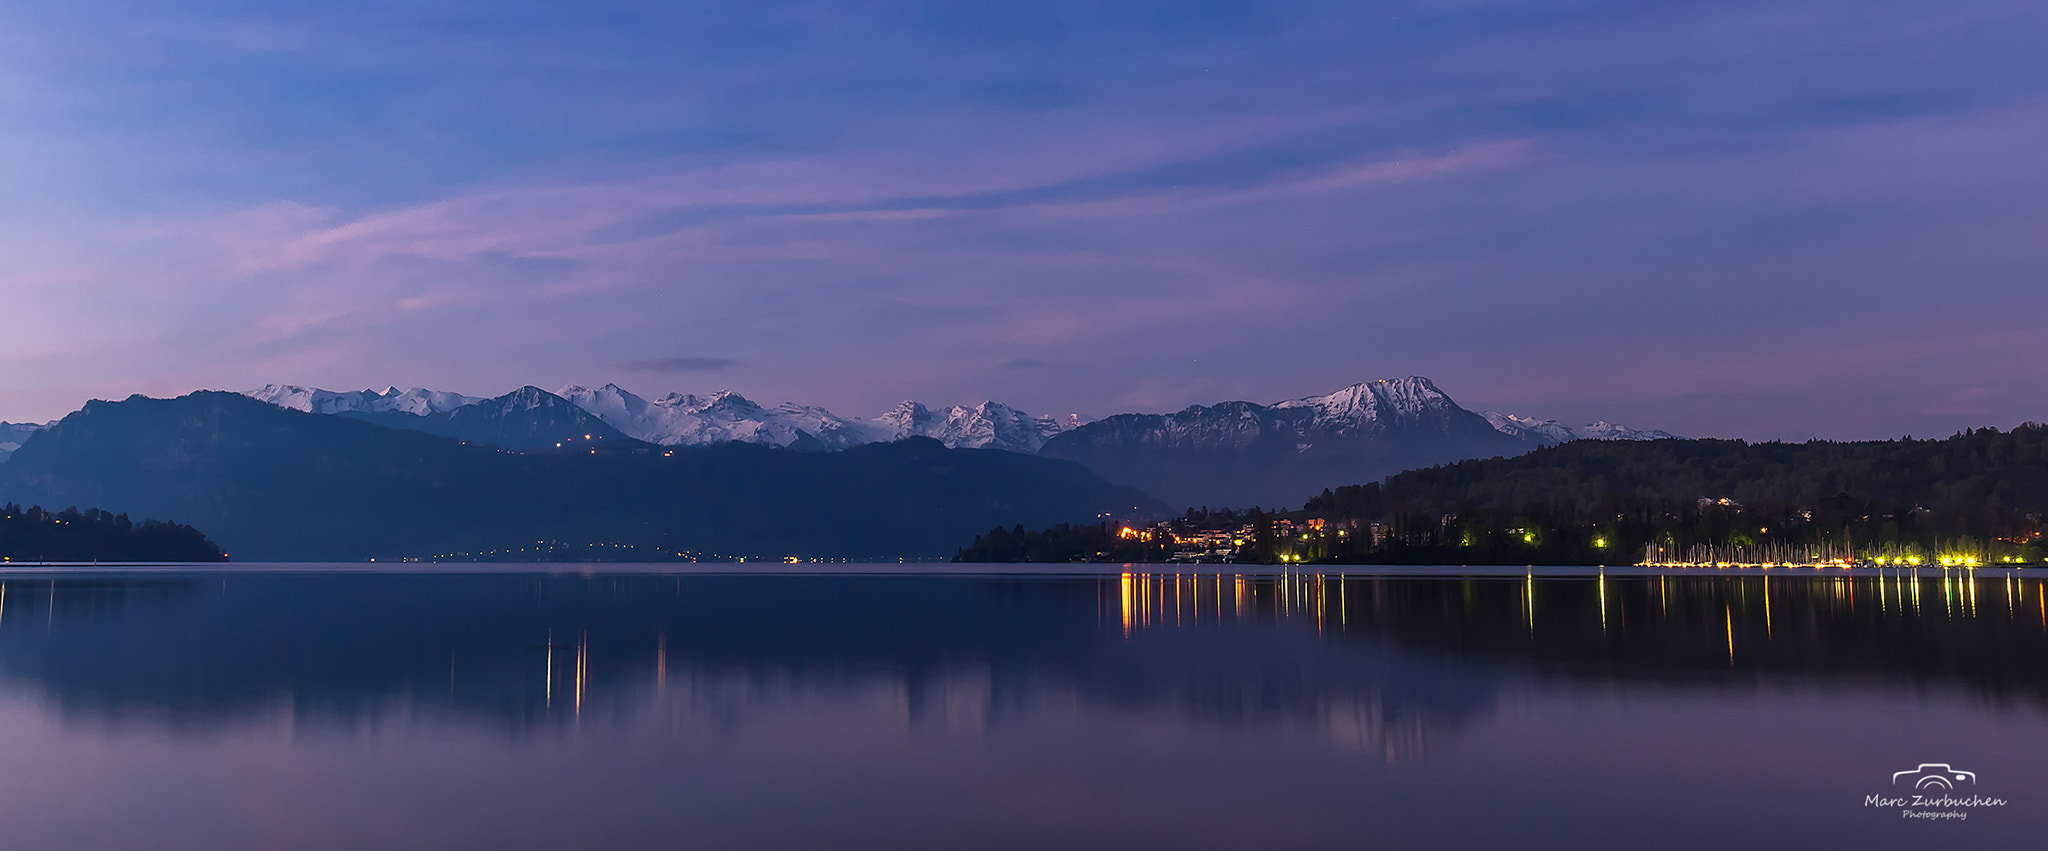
(894, 707)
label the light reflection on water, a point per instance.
(1199, 710)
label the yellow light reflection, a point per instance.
(1730, 615)
(1529, 598)
(1124, 589)
(1603, 601)
(582, 662)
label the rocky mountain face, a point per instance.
(1243, 453)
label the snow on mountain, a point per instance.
(687, 419)
(1398, 409)
(416, 401)
(611, 403)
(1244, 453)
(989, 425)
(905, 420)
(1375, 405)
(1552, 432)
(683, 419)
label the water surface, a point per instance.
(885, 707)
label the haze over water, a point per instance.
(623, 708)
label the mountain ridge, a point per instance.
(270, 483)
(1234, 453)
(1243, 453)
(525, 420)
(683, 419)
(12, 435)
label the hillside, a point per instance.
(1976, 470)
(1978, 495)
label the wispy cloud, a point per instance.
(682, 365)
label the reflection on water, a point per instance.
(527, 710)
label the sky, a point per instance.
(1736, 218)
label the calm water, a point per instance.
(637, 709)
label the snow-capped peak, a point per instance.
(688, 419)
(685, 418)
(988, 425)
(1385, 400)
(416, 401)
(1552, 432)
(905, 420)
(611, 403)
(525, 399)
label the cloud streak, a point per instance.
(680, 365)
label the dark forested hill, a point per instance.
(275, 484)
(1976, 470)
(35, 534)
(1978, 495)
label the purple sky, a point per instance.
(1733, 218)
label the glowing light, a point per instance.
(1603, 601)
(1729, 613)
(1529, 597)
(1124, 590)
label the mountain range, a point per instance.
(683, 419)
(1227, 454)
(269, 483)
(1231, 453)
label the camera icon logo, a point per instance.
(1936, 775)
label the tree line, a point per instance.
(1066, 542)
(1976, 496)
(1979, 494)
(35, 534)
